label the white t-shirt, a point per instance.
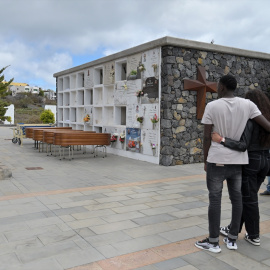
(229, 117)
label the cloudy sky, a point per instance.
(42, 37)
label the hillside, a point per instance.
(28, 107)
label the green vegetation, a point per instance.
(3, 93)
(47, 117)
(133, 72)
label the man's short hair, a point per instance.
(229, 82)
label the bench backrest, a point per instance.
(65, 139)
(37, 133)
(48, 135)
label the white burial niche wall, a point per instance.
(120, 97)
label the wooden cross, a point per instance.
(201, 86)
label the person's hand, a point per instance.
(216, 137)
(205, 166)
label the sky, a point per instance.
(41, 37)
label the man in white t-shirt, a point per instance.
(227, 116)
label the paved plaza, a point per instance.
(111, 213)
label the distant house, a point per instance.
(50, 94)
(22, 88)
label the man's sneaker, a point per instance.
(254, 241)
(206, 245)
(230, 244)
(224, 230)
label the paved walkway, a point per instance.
(111, 214)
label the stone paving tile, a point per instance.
(153, 219)
(163, 203)
(78, 257)
(84, 232)
(204, 261)
(113, 227)
(130, 208)
(43, 222)
(107, 238)
(48, 238)
(238, 261)
(171, 264)
(84, 223)
(113, 199)
(100, 206)
(182, 234)
(67, 218)
(69, 211)
(143, 195)
(167, 197)
(190, 213)
(77, 203)
(122, 217)
(33, 254)
(11, 247)
(88, 197)
(43, 264)
(8, 260)
(190, 205)
(92, 214)
(137, 201)
(159, 210)
(24, 234)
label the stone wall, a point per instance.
(181, 132)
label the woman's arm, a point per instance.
(241, 145)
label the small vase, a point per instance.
(154, 151)
(138, 99)
(154, 125)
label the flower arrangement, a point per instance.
(122, 138)
(139, 93)
(155, 67)
(155, 119)
(86, 118)
(153, 146)
(125, 85)
(140, 119)
(141, 67)
(131, 144)
(114, 137)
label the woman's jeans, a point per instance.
(216, 174)
(253, 176)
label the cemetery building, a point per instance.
(151, 97)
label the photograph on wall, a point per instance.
(133, 139)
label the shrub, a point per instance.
(47, 117)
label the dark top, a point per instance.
(249, 139)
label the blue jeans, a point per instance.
(253, 176)
(215, 176)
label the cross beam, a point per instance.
(201, 86)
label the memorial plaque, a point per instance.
(151, 87)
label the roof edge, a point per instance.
(165, 41)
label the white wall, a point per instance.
(10, 112)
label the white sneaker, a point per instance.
(206, 245)
(230, 244)
(254, 241)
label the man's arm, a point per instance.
(263, 122)
(206, 141)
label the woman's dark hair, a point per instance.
(229, 82)
(263, 103)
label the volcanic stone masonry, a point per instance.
(181, 132)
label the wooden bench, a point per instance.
(37, 134)
(70, 139)
(48, 135)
